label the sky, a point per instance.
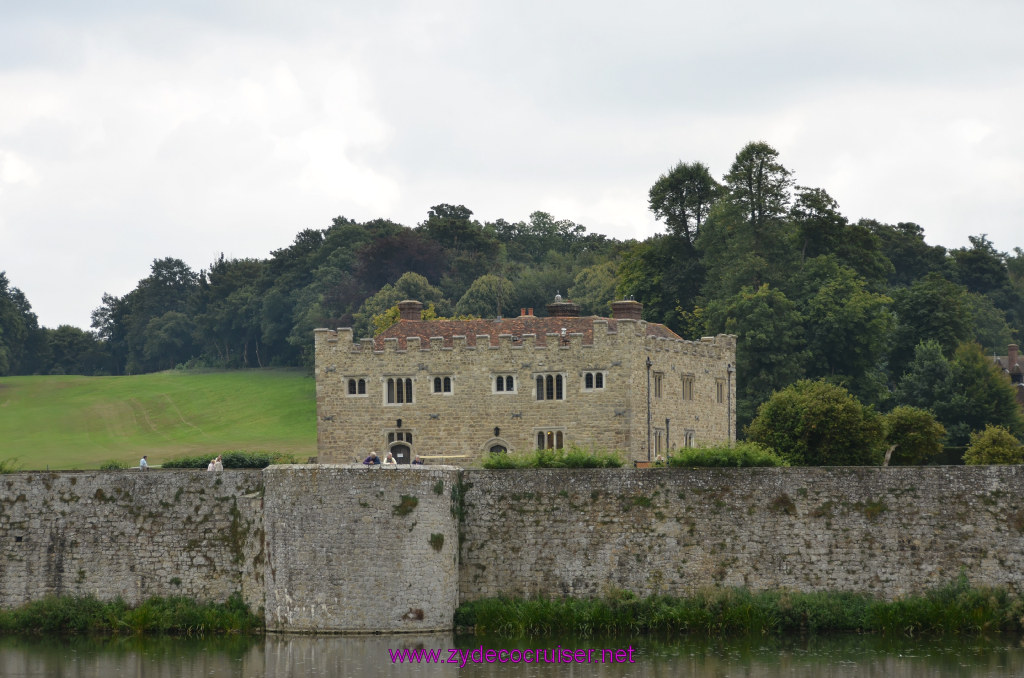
(132, 130)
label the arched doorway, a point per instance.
(401, 452)
(497, 446)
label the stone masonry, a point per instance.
(338, 549)
(463, 388)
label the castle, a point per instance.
(458, 389)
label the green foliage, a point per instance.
(953, 609)
(114, 465)
(574, 457)
(68, 615)
(9, 465)
(994, 445)
(913, 434)
(770, 344)
(489, 296)
(815, 423)
(233, 459)
(682, 198)
(742, 454)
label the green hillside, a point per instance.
(72, 422)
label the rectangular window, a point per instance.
(687, 387)
(658, 378)
(719, 391)
(550, 387)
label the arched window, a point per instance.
(447, 384)
(351, 386)
(599, 380)
(550, 387)
(362, 387)
(437, 384)
(550, 440)
(498, 449)
(588, 380)
(399, 391)
(510, 385)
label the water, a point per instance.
(368, 657)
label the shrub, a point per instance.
(114, 465)
(815, 423)
(738, 455)
(994, 445)
(574, 457)
(913, 435)
(233, 459)
(9, 465)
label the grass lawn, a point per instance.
(71, 422)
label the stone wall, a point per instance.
(330, 548)
(885, 531)
(131, 534)
(361, 549)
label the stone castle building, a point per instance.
(462, 388)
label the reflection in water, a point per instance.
(368, 657)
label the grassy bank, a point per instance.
(71, 422)
(66, 615)
(956, 609)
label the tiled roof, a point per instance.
(517, 327)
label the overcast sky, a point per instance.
(132, 130)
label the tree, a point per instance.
(814, 423)
(931, 308)
(848, 327)
(966, 393)
(904, 246)
(759, 185)
(594, 288)
(984, 395)
(665, 274)
(819, 225)
(770, 345)
(682, 198)
(487, 297)
(994, 445)
(913, 435)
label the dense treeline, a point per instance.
(809, 294)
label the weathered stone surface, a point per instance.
(131, 534)
(360, 549)
(885, 531)
(329, 548)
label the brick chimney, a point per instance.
(627, 309)
(409, 309)
(1011, 357)
(563, 309)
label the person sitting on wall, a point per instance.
(218, 464)
(143, 464)
(417, 460)
(390, 461)
(372, 460)
(209, 467)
